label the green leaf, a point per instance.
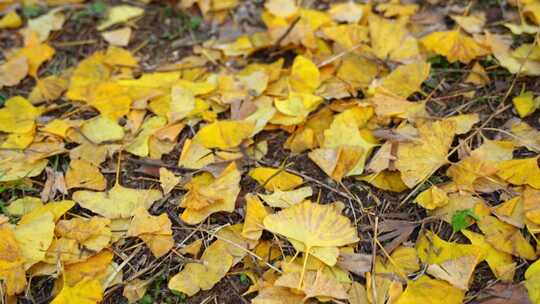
(147, 299)
(195, 22)
(460, 219)
(31, 11)
(244, 279)
(98, 8)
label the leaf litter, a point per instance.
(370, 152)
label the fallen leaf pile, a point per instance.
(348, 152)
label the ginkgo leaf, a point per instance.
(140, 145)
(44, 24)
(168, 180)
(313, 225)
(24, 205)
(426, 290)
(13, 71)
(217, 259)
(434, 250)
(406, 79)
(520, 172)
(455, 46)
(432, 198)
(457, 272)
(102, 129)
(255, 214)
(34, 237)
(305, 76)
(284, 199)
(119, 14)
(500, 262)
(155, 231)
(506, 237)
(275, 178)
(224, 134)
(12, 271)
(532, 281)
(82, 174)
(84, 292)
(281, 8)
(315, 284)
(18, 115)
(118, 202)
(419, 159)
(93, 268)
(212, 196)
(10, 20)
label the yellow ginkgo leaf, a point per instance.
(315, 284)
(76, 235)
(337, 162)
(387, 35)
(255, 214)
(305, 76)
(295, 108)
(155, 231)
(406, 79)
(93, 268)
(525, 104)
(434, 250)
(532, 281)
(18, 115)
(118, 202)
(473, 23)
(57, 209)
(194, 155)
(419, 159)
(432, 198)
(500, 262)
(506, 237)
(13, 71)
(12, 260)
(168, 180)
(119, 14)
(34, 237)
(224, 134)
(82, 174)
(478, 75)
(140, 145)
(457, 272)
(24, 205)
(426, 290)
(284, 199)
(312, 224)
(386, 180)
(520, 172)
(275, 178)
(217, 259)
(102, 129)
(84, 292)
(455, 46)
(212, 196)
(36, 54)
(46, 23)
(10, 20)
